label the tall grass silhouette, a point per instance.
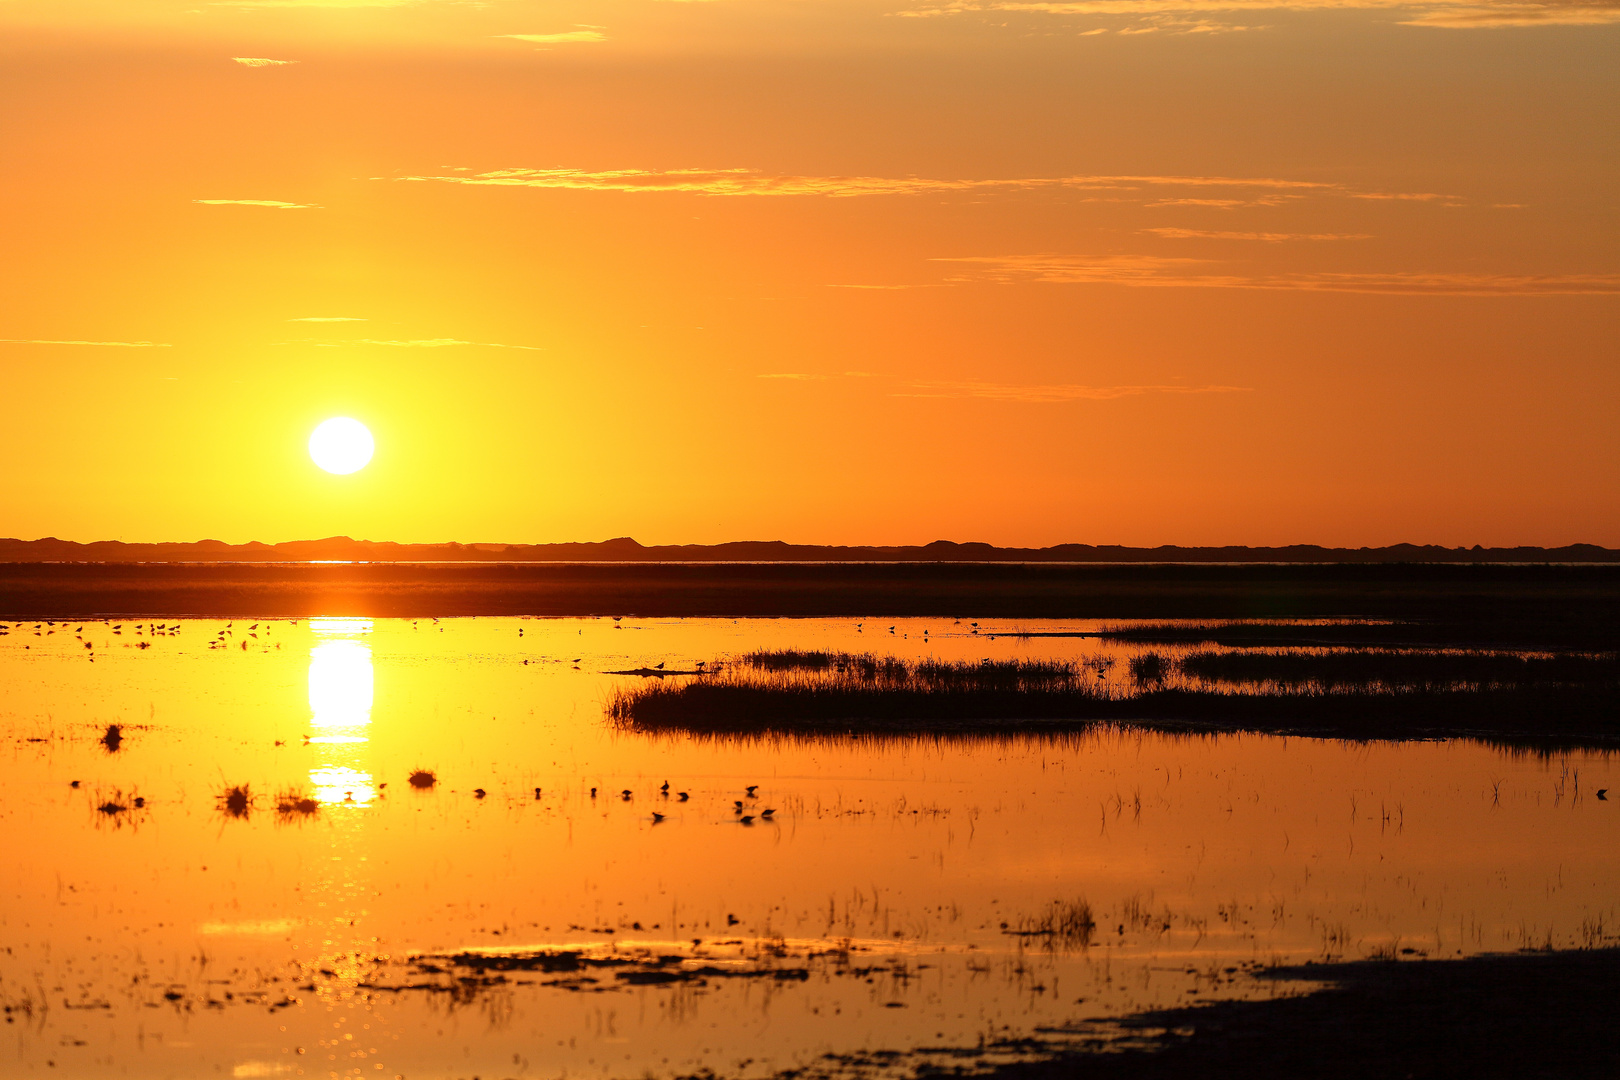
(1381, 695)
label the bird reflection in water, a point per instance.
(341, 686)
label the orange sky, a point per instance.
(1111, 271)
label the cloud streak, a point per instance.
(565, 38)
(272, 204)
(753, 182)
(1148, 271)
(1170, 233)
(261, 62)
(1172, 15)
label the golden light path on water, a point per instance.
(146, 930)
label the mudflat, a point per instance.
(1556, 604)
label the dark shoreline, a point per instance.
(1513, 1016)
(1530, 605)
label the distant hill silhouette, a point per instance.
(624, 549)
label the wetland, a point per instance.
(423, 847)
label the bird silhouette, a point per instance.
(751, 789)
(682, 796)
(659, 666)
(1603, 793)
(537, 793)
(767, 813)
(479, 793)
(747, 819)
(625, 794)
(657, 817)
(593, 793)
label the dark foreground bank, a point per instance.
(1561, 605)
(1540, 1015)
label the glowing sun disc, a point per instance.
(341, 445)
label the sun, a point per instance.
(341, 445)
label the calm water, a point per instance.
(869, 912)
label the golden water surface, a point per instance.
(149, 928)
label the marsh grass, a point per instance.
(861, 693)
(294, 803)
(1149, 668)
(119, 807)
(1407, 668)
(805, 689)
(1065, 923)
(236, 801)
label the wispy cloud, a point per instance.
(260, 61)
(753, 182)
(273, 204)
(328, 318)
(1219, 204)
(1147, 271)
(1151, 14)
(565, 38)
(100, 344)
(1052, 392)
(1481, 16)
(1269, 237)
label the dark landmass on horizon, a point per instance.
(625, 549)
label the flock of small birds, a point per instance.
(49, 627)
(664, 792)
(238, 800)
(142, 630)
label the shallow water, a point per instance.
(870, 912)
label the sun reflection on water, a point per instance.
(341, 784)
(342, 688)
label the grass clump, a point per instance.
(1067, 923)
(236, 801)
(293, 804)
(1149, 668)
(422, 779)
